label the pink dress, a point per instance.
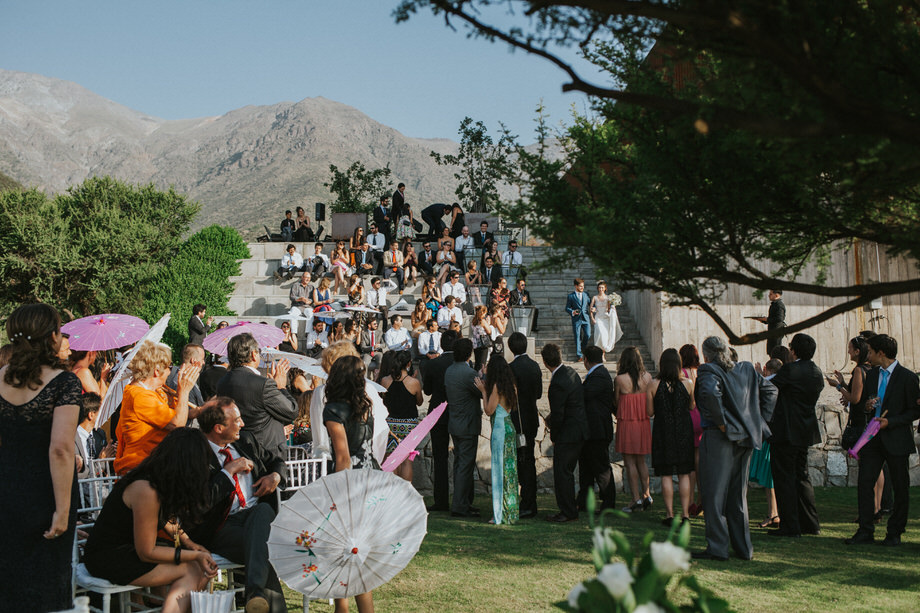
(634, 432)
(694, 414)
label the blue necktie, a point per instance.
(882, 384)
(431, 348)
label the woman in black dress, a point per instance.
(167, 491)
(350, 423)
(457, 220)
(668, 401)
(402, 400)
(39, 411)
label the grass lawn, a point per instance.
(472, 566)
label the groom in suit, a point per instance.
(577, 306)
(897, 390)
(529, 380)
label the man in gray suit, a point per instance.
(465, 422)
(735, 405)
(265, 404)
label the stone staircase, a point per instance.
(257, 296)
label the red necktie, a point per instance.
(372, 344)
(238, 491)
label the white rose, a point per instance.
(603, 543)
(616, 578)
(575, 593)
(649, 607)
(669, 558)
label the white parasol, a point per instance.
(123, 374)
(347, 533)
(297, 360)
(360, 308)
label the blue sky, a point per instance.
(194, 58)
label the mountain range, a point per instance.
(245, 167)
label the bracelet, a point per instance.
(839, 386)
(177, 559)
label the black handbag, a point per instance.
(849, 437)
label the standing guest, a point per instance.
(432, 296)
(568, 429)
(457, 220)
(454, 288)
(500, 297)
(317, 339)
(192, 355)
(419, 318)
(690, 362)
(378, 244)
(481, 335)
(462, 242)
(432, 372)
(349, 423)
(432, 216)
(529, 381)
(402, 399)
(410, 264)
(795, 429)
(90, 440)
(365, 260)
(500, 403)
(242, 502)
(521, 297)
(166, 492)
(735, 405)
(148, 411)
(483, 236)
(399, 201)
(668, 401)
(761, 472)
(357, 239)
(289, 343)
(491, 272)
(265, 405)
(198, 328)
(291, 263)
(82, 364)
(303, 232)
(297, 382)
(594, 461)
(405, 225)
(512, 261)
(426, 259)
(429, 341)
(39, 410)
(894, 392)
(450, 312)
(301, 296)
(775, 319)
(499, 324)
(371, 346)
(288, 226)
(382, 219)
(393, 266)
(397, 337)
(634, 433)
(465, 417)
(211, 376)
(319, 263)
(577, 306)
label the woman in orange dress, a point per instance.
(634, 432)
(149, 409)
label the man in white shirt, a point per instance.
(449, 312)
(397, 337)
(301, 296)
(377, 297)
(512, 260)
(317, 339)
(243, 503)
(461, 243)
(454, 288)
(429, 341)
(90, 441)
(319, 263)
(378, 243)
(291, 262)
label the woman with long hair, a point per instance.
(499, 401)
(410, 263)
(289, 343)
(500, 296)
(481, 335)
(167, 491)
(350, 423)
(431, 294)
(350, 331)
(337, 331)
(356, 293)
(446, 259)
(457, 220)
(341, 266)
(499, 322)
(690, 362)
(634, 432)
(303, 232)
(402, 399)
(419, 318)
(445, 237)
(40, 405)
(357, 239)
(322, 297)
(472, 276)
(83, 364)
(668, 400)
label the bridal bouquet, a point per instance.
(615, 299)
(638, 582)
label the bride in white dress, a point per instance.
(604, 319)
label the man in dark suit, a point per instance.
(399, 202)
(521, 297)
(795, 429)
(371, 345)
(382, 218)
(432, 216)
(464, 425)
(480, 238)
(197, 327)
(491, 272)
(433, 372)
(568, 429)
(365, 260)
(265, 404)
(896, 390)
(426, 258)
(594, 461)
(529, 380)
(776, 317)
(577, 306)
(241, 502)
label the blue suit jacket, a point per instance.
(571, 304)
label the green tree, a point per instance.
(731, 142)
(199, 273)
(358, 190)
(482, 165)
(91, 250)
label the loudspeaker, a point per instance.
(320, 212)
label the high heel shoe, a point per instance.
(770, 521)
(646, 503)
(633, 507)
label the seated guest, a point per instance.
(419, 318)
(317, 339)
(491, 273)
(148, 412)
(355, 290)
(377, 296)
(454, 288)
(449, 312)
(336, 331)
(397, 337)
(357, 239)
(172, 482)
(429, 341)
(303, 232)
(410, 264)
(242, 504)
(90, 440)
(378, 244)
(432, 216)
(445, 237)
(491, 251)
(426, 259)
(393, 265)
(371, 346)
(301, 296)
(322, 298)
(454, 326)
(291, 263)
(472, 275)
(483, 236)
(501, 297)
(512, 260)
(341, 266)
(318, 263)
(288, 226)
(461, 243)
(365, 260)
(191, 354)
(446, 260)
(289, 343)
(431, 294)
(351, 331)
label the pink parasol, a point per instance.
(868, 434)
(101, 332)
(408, 444)
(265, 335)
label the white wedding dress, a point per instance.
(607, 329)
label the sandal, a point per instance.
(770, 521)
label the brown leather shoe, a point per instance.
(257, 604)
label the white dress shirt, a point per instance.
(424, 342)
(376, 241)
(323, 338)
(291, 261)
(463, 242)
(446, 315)
(378, 297)
(453, 289)
(323, 257)
(244, 478)
(512, 258)
(84, 436)
(397, 339)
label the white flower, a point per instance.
(616, 578)
(669, 558)
(575, 593)
(649, 607)
(603, 543)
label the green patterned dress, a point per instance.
(505, 500)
